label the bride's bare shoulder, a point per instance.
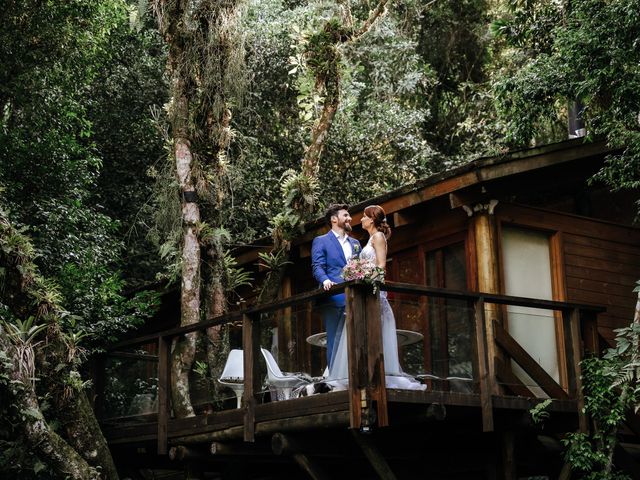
(378, 238)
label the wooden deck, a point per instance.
(379, 422)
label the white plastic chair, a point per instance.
(233, 374)
(281, 383)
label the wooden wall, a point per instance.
(601, 260)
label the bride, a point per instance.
(375, 223)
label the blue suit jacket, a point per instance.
(327, 261)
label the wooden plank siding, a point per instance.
(601, 260)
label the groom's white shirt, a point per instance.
(345, 244)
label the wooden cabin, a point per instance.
(502, 275)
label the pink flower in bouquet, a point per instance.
(365, 270)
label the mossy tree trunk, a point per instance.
(81, 451)
(205, 62)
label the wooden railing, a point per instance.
(367, 393)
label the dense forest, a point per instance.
(141, 142)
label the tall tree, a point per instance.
(205, 56)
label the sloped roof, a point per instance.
(474, 173)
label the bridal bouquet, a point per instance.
(365, 270)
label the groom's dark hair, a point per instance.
(333, 209)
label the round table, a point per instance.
(405, 337)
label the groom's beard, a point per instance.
(346, 227)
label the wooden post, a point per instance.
(508, 461)
(485, 234)
(574, 356)
(376, 387)
(286, 445)
(485, 380)
(163, 393)
(285, 331)
(590, 336)
(377, 461)
(355, 318)
(250, 346)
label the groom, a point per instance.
(329, 254)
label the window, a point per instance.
(527, 272)
(450, 327)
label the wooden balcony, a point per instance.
(493, 395)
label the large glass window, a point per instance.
(526, 269)
(450, 327)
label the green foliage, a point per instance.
(611, 388)
(23, 332)
(321, 50)
(273, 261)
(539, 413)
(75, 84)
(235, 277)
(415, 99)
(592, 56)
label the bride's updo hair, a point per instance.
(376, 213)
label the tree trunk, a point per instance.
(84, 435)
(85, 446)
(215, 307)
(320, 131)
(43, 441)
(204, 48)
(184, 349)
(72, 407)
(311, 161)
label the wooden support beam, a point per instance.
(285, 327)
(508, 460)
(376, 388)
(486, 250)
(182, 452)
(510, 381)
(236, 449)
(163, 393)
(286, 445)
(565, 472)
(373, 455)
(573, 349)
(528, 364)
(282, 444)
(484, 371)
(313, 469)
(355, 319)
(297, 424)
(590, 335)
(250, 346)
(312, 445)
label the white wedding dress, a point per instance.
(338, 376)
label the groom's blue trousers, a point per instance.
(331, 316)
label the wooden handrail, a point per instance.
(233, 316)
(488, 297)
(407, 288)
